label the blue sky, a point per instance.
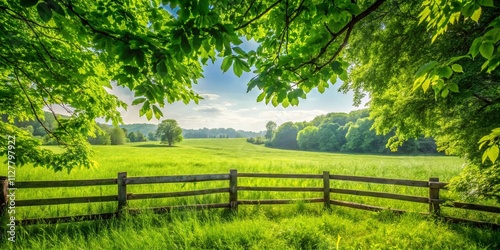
(227, 105)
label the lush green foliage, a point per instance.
(169, 132)
(270, 128)
(136, 137)
(341, 132)
(217, 133)
(117, 135)
(307, 138)
(286, 136)
(386, 69)
(157, 49)
(293, 226)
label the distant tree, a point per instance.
(361, 139)
(270, 127)
(39, 131)
(331, 136)
(151, 136)
(308, 139)
(286, 136)
(169, 132)
(102, 136)
(140, 137)
(117, 136)
(132, 136)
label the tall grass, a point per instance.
(294, 226)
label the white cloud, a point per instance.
(210, 97)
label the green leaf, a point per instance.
(486, 3)
(491, 153)
(457, 68)
(425, 68)
(444, 71)
(239, 51)
(28, 3)
(127, 55)
(149, 114)
(333, 79)
(474, 48)
(131, 70)
(56, 7)
(487, 49)
(426, 84)
(261, 96)
(337, 67)
(453, 87)
(285, 103)
(185, 46)
(242, 65)
(476, 15)
(284, 60)
(157, 112)
(275, 101)
(238, 71)
(445, 93)
(226, 63)
(139, 100)
(343, 76)
(44, 11)
(485, 156)
(139, 58)
(161, 68)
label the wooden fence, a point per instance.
(123, 181)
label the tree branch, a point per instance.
(349, 25)
(258, 16)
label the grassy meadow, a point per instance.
(293, 226)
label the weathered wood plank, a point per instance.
(475, 207)
(286, 201)
(326, 189)
(412, 183)
(440, 185)
(268, 175)
(178, 178)
(4, 199)
(65, 219)
(122, 190)
(472, 222)
(233, 189)
(281, 189)
(434, 207)
(71, 200)
(176, 194)
(381, 195)
(168, 209)
(363, 206)
(65, 183)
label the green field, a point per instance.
(293, 226)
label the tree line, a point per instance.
(338, 132)
(218, 133)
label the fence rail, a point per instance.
(122, 181)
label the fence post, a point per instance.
(326, 189)
(4, 201)
(434, 207)
(122, 191)
(233, 189)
